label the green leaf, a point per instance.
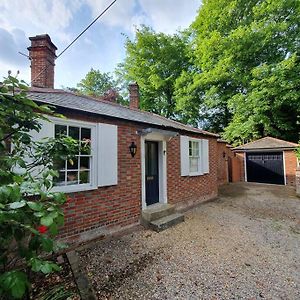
(14, 283)
(53, 229)
(35, 205)
(16, 205)
(47, 244)
(46, 268)
(47, 221)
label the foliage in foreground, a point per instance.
(30, 212)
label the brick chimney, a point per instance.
(111, 96)
(42, 56)
(134, 95)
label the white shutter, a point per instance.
(107, 155)
(184, 155)
(205, 156)
(46, 131)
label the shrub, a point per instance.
(30, 212)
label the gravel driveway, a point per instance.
(244, 245)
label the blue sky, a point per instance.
(101, 47)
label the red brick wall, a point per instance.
(106, 209)
(222, 170)
(186, 191)
(240, 168)
(290, 161)
(96, 212)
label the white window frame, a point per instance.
(93, 184)
(199, 172)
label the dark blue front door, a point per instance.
(151, 171)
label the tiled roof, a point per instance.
(267, 143)
(71, 100)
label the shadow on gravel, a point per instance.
(233, 190)
(113, 281)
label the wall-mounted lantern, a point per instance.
(224, 154)
(132, 149)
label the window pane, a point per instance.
(84, 163)
(84, 177)
(72, 177)
(193, 164)
(190, 149)
(85, 134)
(60, 180)
(60, 130)
(73, 164)
(195, 149)
(85, 147)
(59, 164)
(74, 132)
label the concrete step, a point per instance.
(166, 222)
(157, 211)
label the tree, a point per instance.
(30, 212)
(155, 61)
(245, 56)
(98, 84)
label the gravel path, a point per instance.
(244, 245)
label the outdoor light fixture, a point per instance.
(224, 154)
(132, 149)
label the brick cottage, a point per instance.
(138, 160)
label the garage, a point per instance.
(265, 167)
(268, 160)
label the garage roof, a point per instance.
(267, 143)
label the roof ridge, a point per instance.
(142, 112)
(277, 139)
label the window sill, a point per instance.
(195, 174)
(74, 188)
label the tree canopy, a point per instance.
(155, 61)
(96, 83)
(244, 81)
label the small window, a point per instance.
(194, 156)
(78, 170)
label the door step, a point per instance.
(160, 216)
(157, 211)
(166, 222)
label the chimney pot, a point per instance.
(42, 56)
(134, 95)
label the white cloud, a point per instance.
(101, 47)
(169, 15)
(37, 17)
(120, 14)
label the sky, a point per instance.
(101, 47)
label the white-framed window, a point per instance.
(93, 166)
(80, 172)
(194, 156)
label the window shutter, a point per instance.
(107, 155)
(184, 155)
(205, 156)
(46, 131)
